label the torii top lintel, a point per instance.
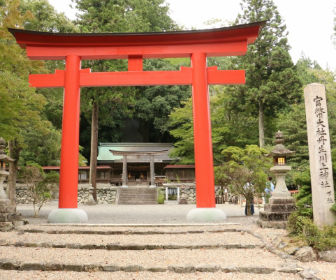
(227, 41)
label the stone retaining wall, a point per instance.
(105, 192)
(188, 192)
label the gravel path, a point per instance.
(120, 239)
(39, 275)
(32, 255)
(324, 270)
(137, 214)
(144, 258)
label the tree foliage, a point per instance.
(271, 80)
(181, 128)
(43, 17)
(244, 171)
(25, 113)
(149, 106)
(39, 184)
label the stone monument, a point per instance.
(8, 216)
(322, 183)
(281, 204)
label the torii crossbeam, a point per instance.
(198, 45)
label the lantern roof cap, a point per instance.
(279, 148)
(3, 156)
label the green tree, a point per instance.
(40, 184)
(20, 104)
(23, 118)
(271, 80)
(293, 124)
(244, 172)
(155, 103)
(116, 16)
(43, 17)
(181, 128)
(230, 128)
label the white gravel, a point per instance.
(153, 258)
(324, 270)
(120, 239)
(145, 258)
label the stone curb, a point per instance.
(127, 246)
(124, 232)
(140, 225)
(9, 265)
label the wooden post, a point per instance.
(152, 171)
(204, 173)
(70, 135)
(124, 172)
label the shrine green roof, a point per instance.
(106, 156)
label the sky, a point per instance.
(309, 22)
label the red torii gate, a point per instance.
(198, 45)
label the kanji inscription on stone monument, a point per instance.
(319, 154)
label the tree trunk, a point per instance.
(14, 153)
(261, 125)
(248, 206)
(94, 148)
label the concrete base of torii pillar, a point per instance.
(67, 215)
(206, 215)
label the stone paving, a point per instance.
(234, 250)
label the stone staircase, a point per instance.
(137, 195)
(140, 252)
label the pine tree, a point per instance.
(271, 80)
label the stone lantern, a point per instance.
(280, 168)
(4, 160)
(7, 211)
(281, 203)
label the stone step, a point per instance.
(280, 207)
(137, 202)
(155, 252)
(274, 216)
(130, 230)
(181, 261)
(137, 196)
(224, 240)
(118, 247)
(121, 275)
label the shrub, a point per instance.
(161, 197)
(305, 229)
(39, 184)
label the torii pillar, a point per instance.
(197, 45)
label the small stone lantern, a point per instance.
(281, 203)
(4, 160)
(8, 215)
(280, 169)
